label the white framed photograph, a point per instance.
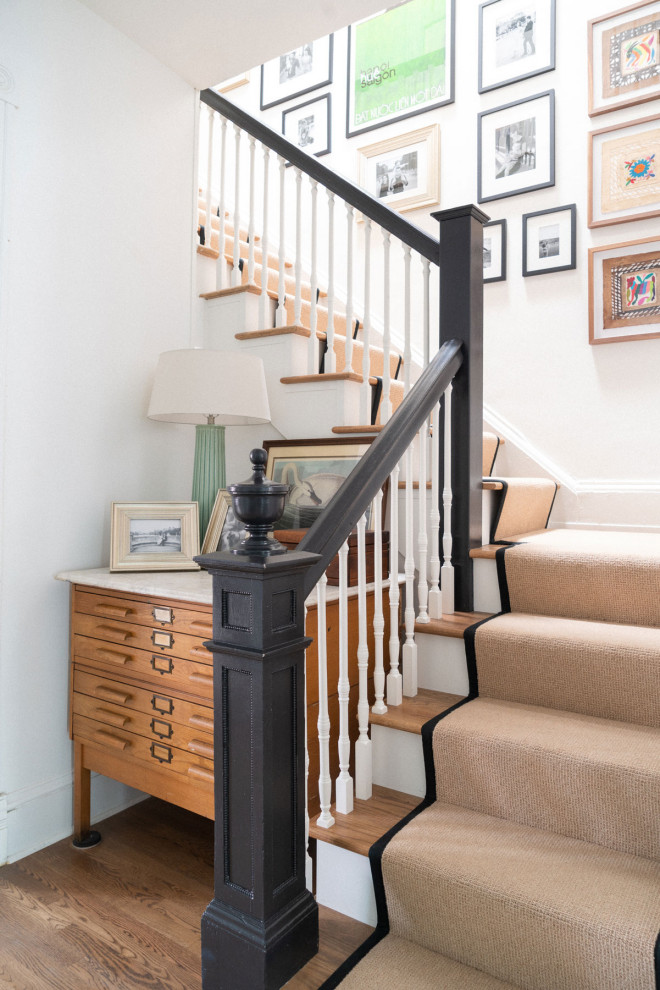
(516, 41)
(308, 125)
(494, 251)
(297, 72)
(624, 287)
(516, 147)
(403, 171)
(549, 240)
(154, 536)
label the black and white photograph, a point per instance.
(404, 171)
(494, 251)
(224, 531)
(549, 240)
(299, 71)
(308, 125)
(516, 40)
(395, 174)
(154, 536)
(516, 147)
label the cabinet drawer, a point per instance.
(151, 703)
(165, 673)
(153, 752)
(157, 639)
(154, 727)
(159, 613)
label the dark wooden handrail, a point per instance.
(352, 500)
(388, 219)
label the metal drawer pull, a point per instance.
(162, 639)
(201, 748)
(161, 729)
(113, 717)
(161, 753)
(165, 706)
(101, 691)
(201, 723)
(203, 628)
(161, 613)
(113, 656)
(114, 633)
(113, 611)
(107, 737)
(162, 665)
(201, 774)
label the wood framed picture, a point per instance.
(495, 251)
(404, 171)
(242, 79)
(224, 531)
(624, 57)
(623, 291)
(400, 63)
(154, 536)
(516, 41)
(300, 71)
(308, 125)
(516, 147)
(548, 240)
(624, 172)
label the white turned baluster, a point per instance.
(344, 782)
(365, 390)
(386, 404)
(330, 356)
(394, 679)
(325, 819)
(281, 291)
(250, 274)
(221, 265)
(435, 596)
(447, 572)
(313, 362)
(409, 652)
(263, 298)
(297, 308)
(350, 215)
(422, 537)
(208, 216)
(236, 270)
(309, 866)
(379, 706)
(363, 755)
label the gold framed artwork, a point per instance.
(624, 57)
(224, 531)
(623, 291)
(403, 172)
(624, 172)
(154, 536)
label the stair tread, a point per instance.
(412, 713)
(369, 820)
(453, 625)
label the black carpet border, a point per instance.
(376, 853)
(657, 962)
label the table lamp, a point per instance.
(211, 389)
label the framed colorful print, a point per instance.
(516, 147)
(624, 172)
(400, 63)
(549, 240)
(154, 536)
(624, 57)
(404, 171)
(304, 69)
(308, 125)
(224, 530)
(516, 41)
(495, 251)
(623, 291)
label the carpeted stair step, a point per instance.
(525, 507)
(339, 319)
(273, 282)
(607, 577)
(397, 394)
(583, 777)
(528, 906)
(244, 253)
(376, 358)
(603, 669)
(491, 444)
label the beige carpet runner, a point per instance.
(534, 861)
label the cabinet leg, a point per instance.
(83, 836)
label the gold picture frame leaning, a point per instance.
(624, 172)
(624, 57)
(403, 172)
(154, 536)
(624, 282)
(224, 531)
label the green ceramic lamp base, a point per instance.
(209, 470)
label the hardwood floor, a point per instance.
(125, 915)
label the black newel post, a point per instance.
(461, 318)
(262, 924)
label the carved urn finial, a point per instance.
(258, 503)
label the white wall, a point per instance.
(96, 281)
(586, 415)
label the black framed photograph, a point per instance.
(516, 147)
(495, 251)
(400, 63)
(516, 41)
(298, 72)
(308, 125)
(549, 240)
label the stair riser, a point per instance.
(398, 760)
(343, 882)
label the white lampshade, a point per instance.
(193, 384)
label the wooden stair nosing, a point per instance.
(337, 376)
(414, 712)
(273, 332)
(231, 291)
(357, 429)
(369, 820)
